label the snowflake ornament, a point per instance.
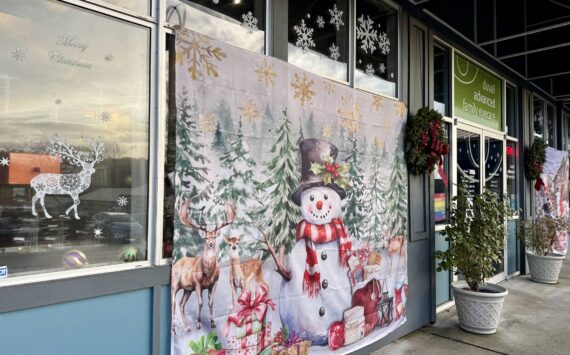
(320, 22)
(249, 111)
(336, 17)
(367, 34)
(249, 22)
(105, 116)
(303, 89)
(334, 51)
(98, 232)
(369, 70)
(304, 37)
(108, 58)
(326, 132)
(382, 68)
(122, 201)
(4, 161)
(384, 43)
(19, 54)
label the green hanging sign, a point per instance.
(477, 94)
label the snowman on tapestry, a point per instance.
(336, 279)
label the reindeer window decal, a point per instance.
(67, 184)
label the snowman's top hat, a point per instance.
(312, 151)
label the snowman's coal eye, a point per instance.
(326, 197)
(312, 197)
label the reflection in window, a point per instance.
(550, 125)
(74, 109)
(441, 75)
(318, 37)
(239, 23)
(511, 111)
(494, 165)
(538, 118)
(138, 6)
(442, 186)
(512, 173)
(376, 47)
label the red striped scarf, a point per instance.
(317, 234)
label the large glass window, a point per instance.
(442, 187)
(239, 23)
(538, 108)
(318, 37)
(138, 6)
(73, 138)
(551, 125)
(441, 75)
(376, 35)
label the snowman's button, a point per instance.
(324, 255)
(325, 283)
(322, 311)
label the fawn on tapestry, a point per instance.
(291, 208)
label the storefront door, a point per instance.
(480, 163)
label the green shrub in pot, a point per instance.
(541, 234)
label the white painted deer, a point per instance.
(200, 272)
(67, 184)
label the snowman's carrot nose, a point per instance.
(319, 204)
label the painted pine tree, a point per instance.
(224, 115)
(397, 197)
(238, 185)
(375, 204)
(354, 215)
(191, 173)
(218, 144)
(281, 214)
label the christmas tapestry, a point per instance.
(552, 198)
(291, 208)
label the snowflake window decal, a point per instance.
(382, 68)
(98, 232)
(320, 22)
(369, 70)
(58, 101)
(4, 161)
(19, 54)
(304, 37)
(334, 52)
(249, 22)
(105, 116)
(367, 34)
(336, 17)
(108, 58)
(122, 201)
(384, 43)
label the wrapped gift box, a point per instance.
(250, 344)
(353, 330)
(298, 348)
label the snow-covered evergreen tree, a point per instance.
(281, 214)
(354, 215)
(224, 115)
(375, 204)
(218, 144)
(397, 198)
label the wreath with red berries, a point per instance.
(535, 157)
(425, 141)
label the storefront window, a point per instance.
(511, 111)
(74, 110)
(441, 75)
(551, 125)
(318, 37)
(376, 35)
(494, 165)
(538, 108)
(442, 187)
(512, 172)
(239, 23)
(138, 6)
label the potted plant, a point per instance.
(540, 235)
(476, 236)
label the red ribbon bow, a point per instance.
(249, 305)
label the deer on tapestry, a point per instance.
(200, 272)
(243, 272)
(67, 184)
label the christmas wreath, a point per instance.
(425, 141)
(535, 156)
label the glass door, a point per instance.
(480, 164)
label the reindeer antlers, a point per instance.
(63, 149)
(188, 222)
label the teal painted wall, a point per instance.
(165, 318)
(114, 324)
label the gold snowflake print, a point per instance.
(328, 86)
(350, 114)
(206, 123)
(377, 103)
(400, 108)
(303, 89)
(378, 144)
(198, 52)
(265, 73)
(249, 111)
(326, 131)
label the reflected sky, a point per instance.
(71, 72)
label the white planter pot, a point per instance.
(544, 268)
(479, 312)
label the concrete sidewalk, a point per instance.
(535, 320)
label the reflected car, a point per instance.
(116, 227)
